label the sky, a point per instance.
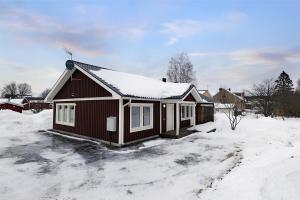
(232, 44)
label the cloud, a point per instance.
(242, 68)
(39, 78)
(86, 38)
(183, 28)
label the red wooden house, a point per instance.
(11, 104)
(37, 103)
(85, 96)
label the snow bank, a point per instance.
(271, 160)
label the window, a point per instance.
(59, 113)
(186, 112)
(141, 117)
(65, 114)
(146, 116)
(135, 119)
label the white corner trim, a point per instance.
(177, 119)
(121, 122)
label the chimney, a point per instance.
(164, 80)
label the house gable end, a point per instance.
(81, 86)
(190, 97)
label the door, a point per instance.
(170, 117)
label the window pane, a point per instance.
(146, 116)
(187, 111)
(71, 114)
(182, 112)
(59, 113)
(191, 112)
(65, 113)
(135, 118)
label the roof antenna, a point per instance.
(68, 52)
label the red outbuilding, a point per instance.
(11, 106)
(37, 103)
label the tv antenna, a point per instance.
(68, 52)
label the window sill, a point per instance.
(65, 123)
(132, 130)
(188, 118)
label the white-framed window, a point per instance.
(65, 114)
(186, 112)
(141, 116)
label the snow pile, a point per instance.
(12, 101)
(270, 164)
(141, 86)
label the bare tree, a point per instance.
(10, 90)
(45, 92)
(232, 111)
(24, 89)
(180, 69)
(262, 95)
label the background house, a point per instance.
(227, 97)
(11, 104)
(36, 103)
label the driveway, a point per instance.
(40, 165)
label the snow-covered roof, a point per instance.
(133, 85)
(17, 102)
(242, 98)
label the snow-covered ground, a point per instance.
(260, 160)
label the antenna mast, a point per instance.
(69, 53)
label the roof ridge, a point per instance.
(93, 67)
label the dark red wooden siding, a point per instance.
(190, 97)
(90, 119)
(81, 86)
(8, 106)
(128, 137)
(37, 105)
(204, 114)
(185, 123)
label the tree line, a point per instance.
(277, 97)
(270, 97)
(20, 90)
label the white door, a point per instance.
(170, 117)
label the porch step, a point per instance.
(182, 133)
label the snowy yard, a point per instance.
(260, 160)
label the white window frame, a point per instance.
(141, 127)
(187, 107)
(67, 123)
